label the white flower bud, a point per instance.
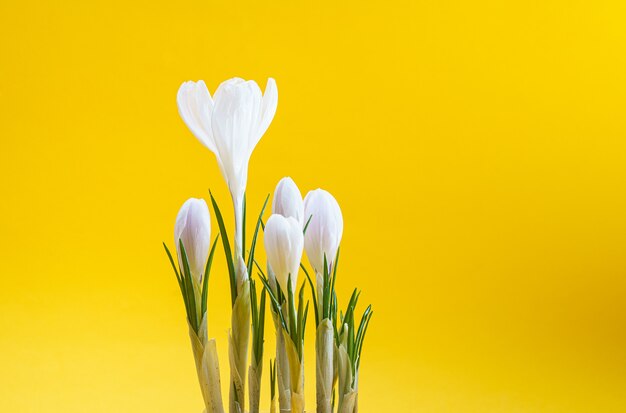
(283, 244)
(325, 229)
(193, 227)
(288, 200)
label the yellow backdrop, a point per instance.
(477, 150)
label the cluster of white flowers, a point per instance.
(285, 237)
(230, 124)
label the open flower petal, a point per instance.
(195, 107)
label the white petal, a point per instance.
(235, 114)
(288, 200)
(268, 108)
(195, 107)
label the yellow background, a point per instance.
(476, 148)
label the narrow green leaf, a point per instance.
(205, 279)
(254, 236)
(258, 267)
(169, 255)
(262, 317)
(304, 318)
(325, 291)
(277, 308)
(292, 311)
(181, 285)
(335, 264)
(369, 317)
(193, 318)
(359, 332)
(351, 340)
(227, 250)
(308, 221)
(260, 325)
(272, 379)
(334, 319)
(253, 307)
(313, 294)
(243, 228)
(300, 312)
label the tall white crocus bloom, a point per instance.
(325, 229)
(193, 227)
(283, 244)
(230, 124)
(288, 200)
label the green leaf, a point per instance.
(272, 379)
(261, 324)
(300, 312)
(360, 349)
(169, 255)
(253, 307)
(181, 286)
(191, 299)
(205, 279)
(227, 251)
(365, 320)
(262, 311)
(291, 305)
(308, 221)
(334, 319)
(254, 237)
(277, 308)
(359, 333)
(243, 228)
(306, 313)
(313, 294)
(258, 267)
(335, 264)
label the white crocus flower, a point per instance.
(283, 244)
(325, 229)
(230, 124)
(193, 227)
(288, 200)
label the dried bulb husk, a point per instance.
(207, 367)
(296, 375)
(324, 349)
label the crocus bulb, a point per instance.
(193, 227)
(325, 229)
(283, 245)
(288, 200)
(230, 124)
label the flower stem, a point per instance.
(240, 321)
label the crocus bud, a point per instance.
(193, 227)
(325, 229)
(283, 245)
(288, 200)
